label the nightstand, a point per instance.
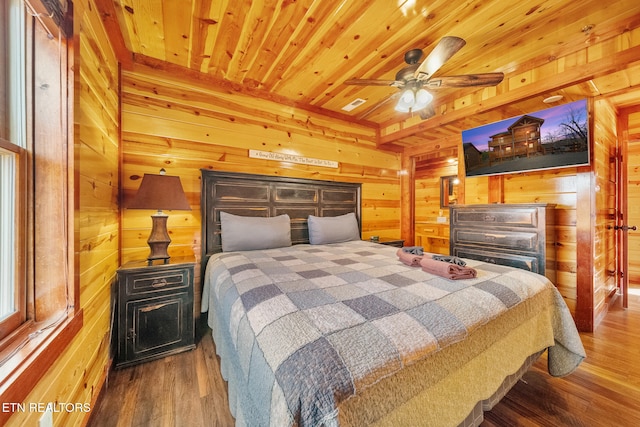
(398, 243)
(154, 311)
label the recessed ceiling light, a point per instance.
(553, 98)
(353, 104)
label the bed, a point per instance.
(331, 330)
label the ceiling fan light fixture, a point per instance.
(406, 101)
(402, 107)
(413, 99)
(423, 98)
(408, 97)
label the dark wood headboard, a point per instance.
(268, 196)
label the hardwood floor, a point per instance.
(187, 389)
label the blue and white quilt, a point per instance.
(300, 329)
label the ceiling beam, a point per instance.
(107, 12)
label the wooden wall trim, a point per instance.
(585, 223)
(496, 189)
(107, 13)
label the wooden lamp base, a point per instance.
(159, 238)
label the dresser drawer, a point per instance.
(522, 217)
(521, 240)
(522, 261)
(154, 281)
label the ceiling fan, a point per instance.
(417, 77)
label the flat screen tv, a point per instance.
(556, 137)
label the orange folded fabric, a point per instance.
(409, 259)
(447, 270)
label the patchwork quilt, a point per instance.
(300, 329)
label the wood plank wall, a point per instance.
(183, 125)
(79, 373)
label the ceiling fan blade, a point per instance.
(467, 80)
(444, 50)
(373, 82)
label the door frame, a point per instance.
(622, 239)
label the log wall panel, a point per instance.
(476, 190)
(184, 126)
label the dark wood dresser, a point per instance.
(154, 311)
(517, 235)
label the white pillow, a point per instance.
(333, 229)
(247, 233)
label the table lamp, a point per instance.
(159, 192)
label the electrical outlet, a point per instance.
(46, 420)
(441, 220)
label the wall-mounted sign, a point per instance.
(280, 157)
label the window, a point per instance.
(39, 294)
(12, 170)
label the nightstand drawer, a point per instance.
(153, 281)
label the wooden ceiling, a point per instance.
(302, 51)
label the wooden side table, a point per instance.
(154, 312)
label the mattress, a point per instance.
(345, 334)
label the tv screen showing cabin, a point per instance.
(552, 138)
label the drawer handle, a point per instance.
(490, 260)
(153, 307)
(489, 218)
(428, 230)
(159, 283)
(494, 236)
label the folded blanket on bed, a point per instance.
(409, 258)
(450, 259)
(447, 270)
